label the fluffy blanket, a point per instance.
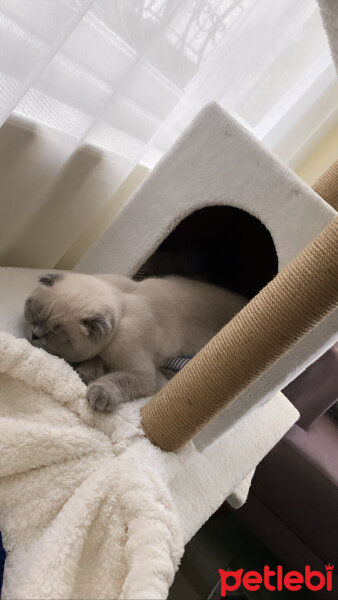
(85, 510)
(89, 508)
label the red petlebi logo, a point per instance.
(276, 580)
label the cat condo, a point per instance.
(102, 505)
(234, 216)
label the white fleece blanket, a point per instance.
(89, 508)
(85, 510)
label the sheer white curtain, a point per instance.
(119, 79)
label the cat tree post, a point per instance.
(297, 299)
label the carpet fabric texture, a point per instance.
(215, 162)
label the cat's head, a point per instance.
(71, 315)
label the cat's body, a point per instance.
(121, 332)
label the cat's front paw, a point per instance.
(101, 398)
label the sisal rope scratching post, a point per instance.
(292, 303)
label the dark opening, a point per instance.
(220, 244)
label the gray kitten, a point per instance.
(119, 332)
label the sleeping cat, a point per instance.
(118, 333)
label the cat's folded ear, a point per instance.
(97, 326)
(50, 278)
(32, 307)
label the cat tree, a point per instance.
(90, 506)
(287, 325)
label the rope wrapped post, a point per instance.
(290, 305)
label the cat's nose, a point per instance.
(37, 333)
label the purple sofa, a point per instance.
(293, 502)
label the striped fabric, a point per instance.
(142, 273)
(176, 364)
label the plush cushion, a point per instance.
(301, 472)
(316, 389)
(334, 410)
